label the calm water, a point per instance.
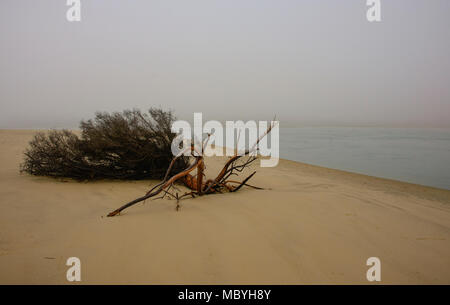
(419, 156)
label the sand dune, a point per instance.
(311, 225)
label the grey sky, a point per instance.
(309, 62)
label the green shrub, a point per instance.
(127, 145)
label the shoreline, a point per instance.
(381, 179)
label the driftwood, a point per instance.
(196, 183)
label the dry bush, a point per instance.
(127, 145)
(197, 183)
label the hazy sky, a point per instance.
(308, 62)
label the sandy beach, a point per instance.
(311, 225)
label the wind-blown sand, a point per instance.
(314, 225)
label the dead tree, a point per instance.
(195, 183)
